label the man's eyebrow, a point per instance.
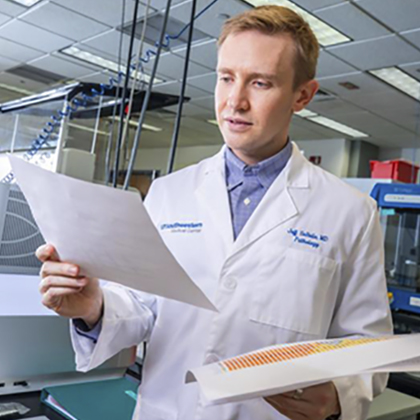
(267, 76)
(224, 70)
(255, 75)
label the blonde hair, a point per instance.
(274, 20)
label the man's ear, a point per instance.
(304, 95)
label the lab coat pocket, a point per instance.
(152, 412)
(292, 291)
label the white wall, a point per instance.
(335, 154)
(413, 155)
(389, 153)
(185, 156)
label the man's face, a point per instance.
(255, 98)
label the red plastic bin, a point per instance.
(399, 169)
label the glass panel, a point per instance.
(402, 252)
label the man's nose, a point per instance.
(238, 98)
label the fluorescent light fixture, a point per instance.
(400, 80)
(334, 125)
(148, 127)
(305, 113)
(16, 89)
(325, 33)
(84, 128)
(214, 122)
(102, 62)
(26, 3)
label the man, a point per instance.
(286, 251)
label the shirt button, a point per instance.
(211, 358)
(231, 284)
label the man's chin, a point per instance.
(240, 141)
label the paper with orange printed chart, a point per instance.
(282, 368)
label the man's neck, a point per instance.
(255, 159)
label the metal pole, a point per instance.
(60, 143)
(15, 131)
(110, 140)
(146, 99)
(181, 98)
(98, 117)
(124, 97)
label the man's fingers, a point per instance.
(291, 414)
(289, 394)
(47, 253)
(53, 297)
(52, 268)
(275, 405)
(289, 404)
(57, 282)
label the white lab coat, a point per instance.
(268, 286)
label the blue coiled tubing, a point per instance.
(86, 98)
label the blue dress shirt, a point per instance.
(247, 184)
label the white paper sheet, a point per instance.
(277, 369)
(107, 232)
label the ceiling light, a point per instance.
(16, 89)
(214, 122)
(145, 126)
(305, 113)
(325, 33)
(326, 122)
(400, 80)
(103, 62)
(26, 3)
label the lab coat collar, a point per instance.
(276, 207)
(296, 170)
(213, 198)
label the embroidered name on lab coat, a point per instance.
(178, 227)
(307, 238)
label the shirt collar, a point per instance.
(266, 170)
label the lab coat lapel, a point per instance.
(213, 199)
(277, 205)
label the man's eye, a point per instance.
(261, 84)
(225, 79)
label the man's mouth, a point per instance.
(238, 122)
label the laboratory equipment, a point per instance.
(400, 203)
(399, 206)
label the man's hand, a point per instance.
(65, 292)
(314, 403)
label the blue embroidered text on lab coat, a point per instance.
(182, 227)
(304, 237)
